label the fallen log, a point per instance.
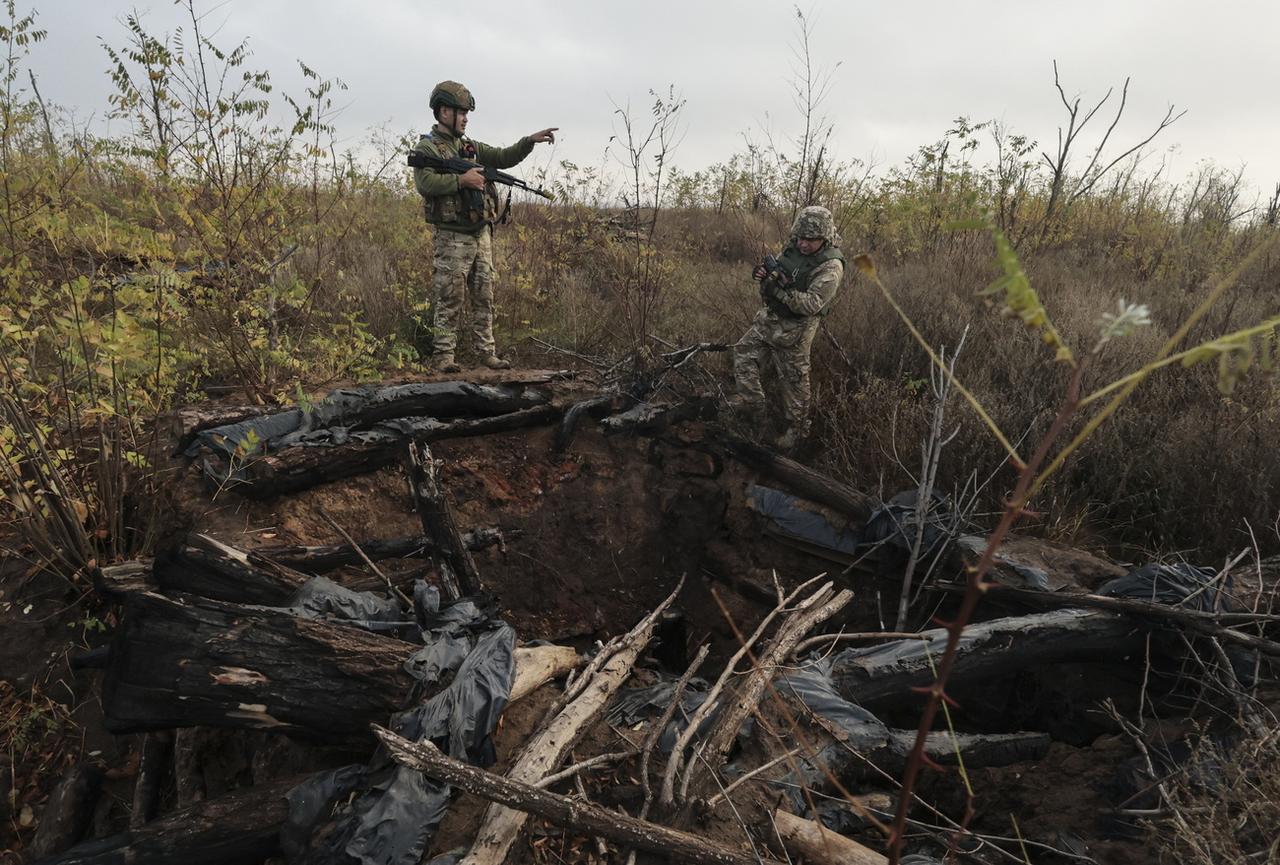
(199, 662)
(458, 573)
(801, 479)
(561, 810)
(114, 582)
(1211, 623)
(241, 828)
(204, 566)
(186, 422)
(646, 418)
(300, 468)
(69, 811)
(322, 559)
(819, 845)
(588, 698)
(886, 673)
(157, 748)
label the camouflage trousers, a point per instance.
(786, 342)
(463, 265)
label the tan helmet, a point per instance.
(816, 221)
(452, 94)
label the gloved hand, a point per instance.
(759, 272)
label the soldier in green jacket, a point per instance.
(463, 253)
(797, 294)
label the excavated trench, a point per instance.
(592, 538)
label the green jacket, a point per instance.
(815, 281)
(442, 198)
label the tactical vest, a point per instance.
(467, 210)
(800, 267)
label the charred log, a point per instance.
(198, 662)
(241, 828)
(203, 566)
(886, 673)
(157, 749)
(802, 480)
(300, 468)
(321, 559)
(69, 811)
(458, 573)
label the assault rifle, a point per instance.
(418, 159)
(775, 279)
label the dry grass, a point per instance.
(1181, 467)
(1227, 804)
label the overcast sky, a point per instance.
(906, 69)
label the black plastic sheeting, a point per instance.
(322, 598)
(894, 524)
(633, 705)
(1177, 585)
(386, 814)
(1192, 588)
(795, 518)
(860, 730)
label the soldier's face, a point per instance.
(454, 118)
(809, 245)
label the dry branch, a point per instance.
(819, 845)
(581, 816)
(458, 573)
(815, 609)
(502, 826)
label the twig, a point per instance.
(589, 763)
(723, 794)
(682, 741)
(368, 561)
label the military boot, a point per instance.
(787, 441)
(495, 362)
(446, 363)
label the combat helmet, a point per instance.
(452, 94)
(815, 221)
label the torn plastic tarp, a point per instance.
(1189, 587)
(336, 418)
(386, 814)
(633, 705)
(893, 524)
(857, 731)
(798, 520)
(1177, 585)
(322, 598)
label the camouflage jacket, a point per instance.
(442, 198)
(816, 281)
